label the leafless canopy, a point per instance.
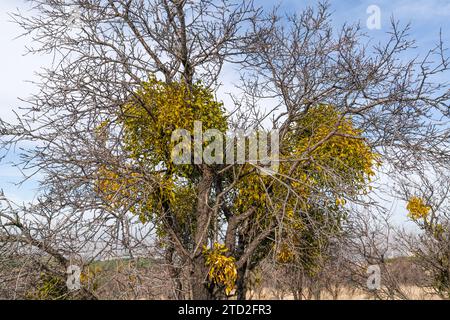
(104, 49)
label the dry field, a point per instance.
(346, 293)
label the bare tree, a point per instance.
(430, 246)
(341, 106)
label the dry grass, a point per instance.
(346, 293)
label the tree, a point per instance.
(426, 194)
(129, 73)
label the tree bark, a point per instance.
(241, 288)
(201, 290)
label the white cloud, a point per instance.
(15, 68)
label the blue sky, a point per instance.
(426, 17)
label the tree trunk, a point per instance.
(201, 290)
(241, 288)
(199, 271)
